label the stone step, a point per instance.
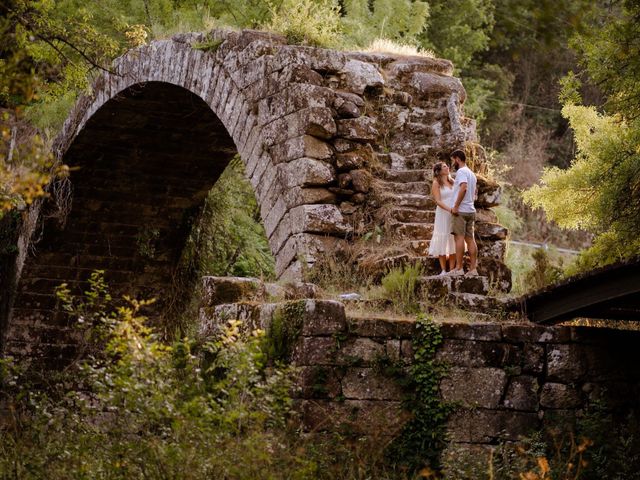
(413, 231)
(406, 176)
(412, 215)
(411, 200)
(436, 287)
(421, 188)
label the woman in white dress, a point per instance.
(442, 242)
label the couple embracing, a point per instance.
(455, 216)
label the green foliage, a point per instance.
(150, 410)
(307, 22)
(229, 238)
(398, 20)
(543, 272)
(423, 438)
(400, 286)
(459, 29)
(601, 190)
(610, 54)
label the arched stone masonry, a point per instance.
(332, 142)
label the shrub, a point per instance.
(307, 22)
(400, 286)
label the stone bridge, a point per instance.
(333, 144)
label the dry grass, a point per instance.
(384, 45)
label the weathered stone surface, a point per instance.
(487, 426)
(425, 83)
(565, 363)
(361, 180)
(558, 395)
(471, 331)
(305, 172)
(323, 317)
(489, 193)
(522, 394)
(361, 350)
(362, 128)
(471, 353)
(368, 384)
(218, 290)
(357, 76)
(318, 382)
(318, 219)
(474, 387)
(491, 231)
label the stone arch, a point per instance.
(331, 141)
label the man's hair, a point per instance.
(459, 154)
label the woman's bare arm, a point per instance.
(435, 191)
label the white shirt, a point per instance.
(465, 175)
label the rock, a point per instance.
(491, 231)
(300, 290)
(362, 128)
(429, 83)
(474, 387)
(360, 351)
(344, 180)
(369, 384)
(486, 215)
(489, 193)
(318, 219)
(522, 394)
(358, 76)
(361, 180)
(565, 363)
(219, 290)
(350, 297)
(348, 110)
(498, 273)
(558, 395)
(305, 172)
(348, 208)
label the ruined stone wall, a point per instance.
(507, 379)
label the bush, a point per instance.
(400, 286)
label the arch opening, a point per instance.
(141, 169)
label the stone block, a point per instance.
(474, 387)
(559, 395)
(565, 363)
(305, 172)
(532, 333)
(522, 394)
(362, 129)
(489, 426)
(533, 358)
(426, 83)
(491, 231)
(369, 384)
(392, 350)
(357, 76)
(318, 382)
(312, 351)
(472, 353)
(318, 219)
(382, 327)
(359, 351)
(471, 331)
(219, 290)
(323, 317)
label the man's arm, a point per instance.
(461, 193)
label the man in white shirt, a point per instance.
(464, 213)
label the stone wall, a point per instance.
(508, 379)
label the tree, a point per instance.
(600, 192)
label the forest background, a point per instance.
(552, 84)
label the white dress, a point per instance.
(442, 242)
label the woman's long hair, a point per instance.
(437, 168)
